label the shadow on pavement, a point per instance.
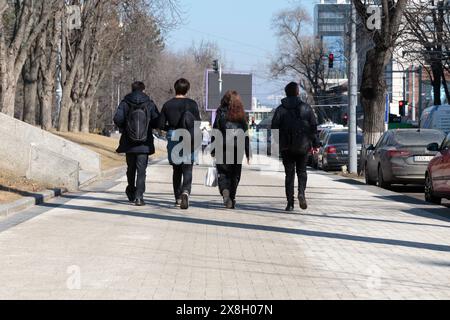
(377, 220)
(225, 224)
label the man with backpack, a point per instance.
(297, 125)
(136, 117)
(181, 113)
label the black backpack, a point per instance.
(296, 132)
(137, 122)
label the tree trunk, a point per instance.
(437, 70)
(46, 111)
(30, 77)
(74, 125)
(85, 108)
(63, 125)
(373, 95)
(8, 96)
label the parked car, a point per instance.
(314, 158)
(333, 153)
(437, 177)
(436, 117)
(401, 157)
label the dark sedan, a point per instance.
(333, 153)
(401, 157)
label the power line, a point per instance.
(227, 39)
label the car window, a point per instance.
(446, 143)
(418, 138)
(382, 140)
(343, 137)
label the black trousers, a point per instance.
(182, 179)
(137, 166)
(295, 163)
(229, 178)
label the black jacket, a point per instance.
(172, 111)
(283, 117)
(120, 119)
(222, 123)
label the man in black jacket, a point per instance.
(137, 152)
(297, 125)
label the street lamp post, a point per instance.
(353, 130)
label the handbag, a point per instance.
(211, 179)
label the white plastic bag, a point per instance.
(211, 177)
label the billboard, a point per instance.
(242, 83)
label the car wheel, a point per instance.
(429, 193)
(381, 183)
(369, 181)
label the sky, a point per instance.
(243, 31)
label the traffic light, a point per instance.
(402, 105)
(331, 61)
(216, 65)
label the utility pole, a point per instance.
(353, 101)
(413, 101)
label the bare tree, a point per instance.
(427, 38)
(373, 86)
(21, 22)
(300, 55)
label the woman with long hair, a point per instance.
(231, 121)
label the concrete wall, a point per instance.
(29, 151)
(53, 168)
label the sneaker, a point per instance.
(227, 201)
(178, 203)
(184, 205)
(234, 205)
(303, 203)
(131, 194)
(140, 203)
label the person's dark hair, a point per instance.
(233, 102)
(292, 89)
(138, 86)
(182, 87)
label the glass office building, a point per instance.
(331, 21)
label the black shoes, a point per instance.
(140, 203)
(290, 207)
(131, 194)
(303, 203)
(184, 205)
(227, 201)
(178, 203)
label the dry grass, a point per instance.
(104, 146)
(13, 188)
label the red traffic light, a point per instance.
(331, 61)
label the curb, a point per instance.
(9, 209)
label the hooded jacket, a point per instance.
(282, 120)
(120, 120)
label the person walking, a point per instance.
(180, 113)
(297, 125)
(136, 117)
(231, 122)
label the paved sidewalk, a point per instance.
(354, 242)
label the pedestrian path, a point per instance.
(353, 243)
